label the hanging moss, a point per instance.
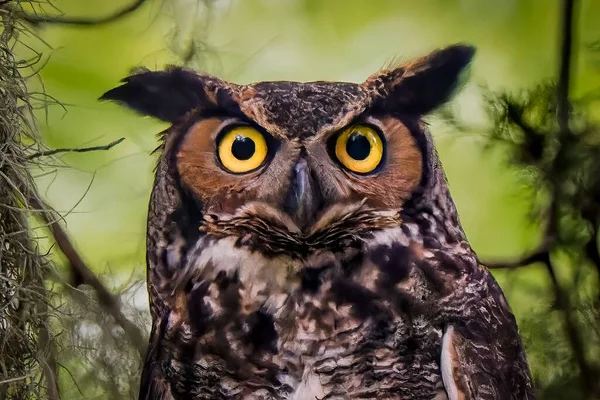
(27, 369)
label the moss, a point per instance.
(24, 339)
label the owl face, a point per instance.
(228, 162)
(293, 153)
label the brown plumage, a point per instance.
(303, 244)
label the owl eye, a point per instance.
(242, 149)
(359, 148)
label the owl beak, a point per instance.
(303, 198)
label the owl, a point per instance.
(302, 244)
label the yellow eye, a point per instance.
(359, 148)
(242, 149)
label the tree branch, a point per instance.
(564, 75)
(84, 275)
(75, 149)
(80, 21)
(538, 255)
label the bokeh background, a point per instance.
(103, 195)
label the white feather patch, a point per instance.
(447, 365)
(310, 387)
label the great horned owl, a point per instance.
(302, 244)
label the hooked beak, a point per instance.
(302, 200)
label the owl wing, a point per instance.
(153, 385)
(482, 356)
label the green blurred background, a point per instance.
(105, 194)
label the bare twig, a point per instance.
(538, 255)
(18, 378)
(564, 77)
(83, 274)
(80, 21)
(75, 149)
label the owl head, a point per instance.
(294, 168)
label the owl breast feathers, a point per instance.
(302, 244)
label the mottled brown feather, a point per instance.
(249, 302)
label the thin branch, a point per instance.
(564, 77)
(75, 149)
(538, 255)
(80, 21)
(84, 275)
(18, 378)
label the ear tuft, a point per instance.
(421, 85)
(167, 95)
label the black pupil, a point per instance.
(358, 146)
(243, 148)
